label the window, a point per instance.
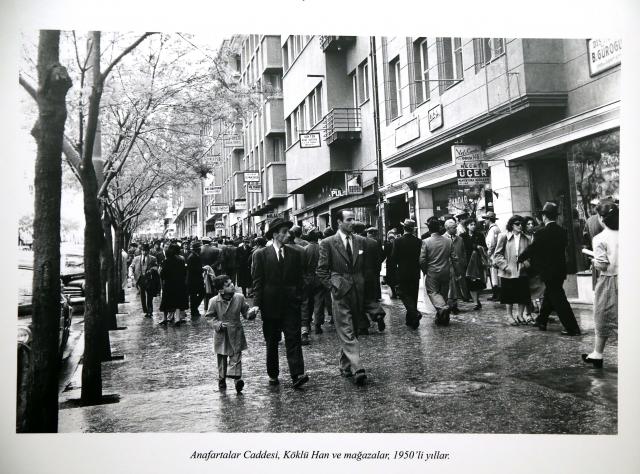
(318, 96)
(285, 55)
(289, 131)
(354, 87)
(278, 149)
(363, 82)
(449, 62)
(302, 126)
(420, 71)
(486, 50)
(394, 100)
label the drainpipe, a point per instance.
(376, 128)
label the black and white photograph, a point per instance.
(256, 248)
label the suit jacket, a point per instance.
(278, 287)
(547, 252)
(460, 266)
(406, 254)
(138, 269)
(437, 255)
(229, 259)
(209, 255)
(195, 279)
(333, 265)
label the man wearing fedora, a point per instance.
(278, 271)
(341, 268)
(547, 255)
(406, 253)
(491, 240)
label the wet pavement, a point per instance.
(478, 375)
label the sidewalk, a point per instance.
(478, 375)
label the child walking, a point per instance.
(228, 340)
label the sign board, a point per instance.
(434, 116)
(212, 190)
(240, 205)
(219, 225)
(466, 153)
(353, 183)
(470, 168)
(251, 177)
(254, 187)
(233, 141)
(336, 192)
(310, 140)
(407, 132)
(603, 54)
(219, 209)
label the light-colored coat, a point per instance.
(505, 256)
(230, 339)
(138, 269)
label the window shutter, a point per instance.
(478, 54)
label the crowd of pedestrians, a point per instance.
(296, 281)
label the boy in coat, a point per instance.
(228, 340)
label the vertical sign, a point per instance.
(353, 183)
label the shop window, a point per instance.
(486, 50)
(449, 52)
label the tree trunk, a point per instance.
(93, 241)
(108, 268)
(42, 386)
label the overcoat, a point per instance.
(231, 339)
(174, 287)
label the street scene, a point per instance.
(318, 234)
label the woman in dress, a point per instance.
(175, 298)
(475, 275)
(391, 277)
(513, 275)
(605, 260)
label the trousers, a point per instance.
(409, 298)
(437, 285)
(230, 366)
(272, 330)
(345, 312)
(555, 298)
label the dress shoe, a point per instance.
(381, 324)
(346, 372)
(148, 315)
(239, 385)
(222, 384)
(442, 317)
(477, 307)
(360, 377)
(570, 333)
(539, 325)
(363, 332)
(274, 381)
(318, 329)
(304, 340)
(413, 325)
(455, 310)
(300, 380)
(597, 363)
(162, 323)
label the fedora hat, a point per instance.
(550, 209)
(408, 224)
(275, 224)
(371, 230)
(490, 215)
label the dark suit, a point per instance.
(229, 261)
(195, 283)
(346, 280)
(406, 254)
(278, 290)
(547, 256)
(312, 309)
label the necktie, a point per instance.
(349, 251)
(143, 263)
(280, 258)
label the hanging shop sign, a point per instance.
(470, 168)
(353, 183)
(251, 177)
(240, 205)
(434, 116)
(233, 141)
(254, 187)
(220, 209)
(219, 225)
(335, 192)
(212, 190)
(310, 140)
(407, 132)
(603, 54)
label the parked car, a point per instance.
(24, 337)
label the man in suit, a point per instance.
(491, 239)
(230, 260)
(138, 268)
(547, 255)
(406, 253)
(458, 284)
(436, 258)
(341, 269)
(312, 310)
(195, 279)
(277, 278)
(372, 233)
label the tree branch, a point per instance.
(126, 51)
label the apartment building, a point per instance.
(330, 128)
(544, 113)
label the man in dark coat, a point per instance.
(547, 256)
(230, 260)
(341, 269)
(244, 266)
(277, 279)
(406, 253)
(195, 281)
(312, 306)
(372, 233)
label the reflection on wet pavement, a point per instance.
(517, 379)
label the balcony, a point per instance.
(274, 116)
(336, 43)
(342, 125)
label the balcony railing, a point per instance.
(342, 125)
(336, 43)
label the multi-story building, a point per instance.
(188, 217)
(330, 128)
(264, 177)
(545, 114)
